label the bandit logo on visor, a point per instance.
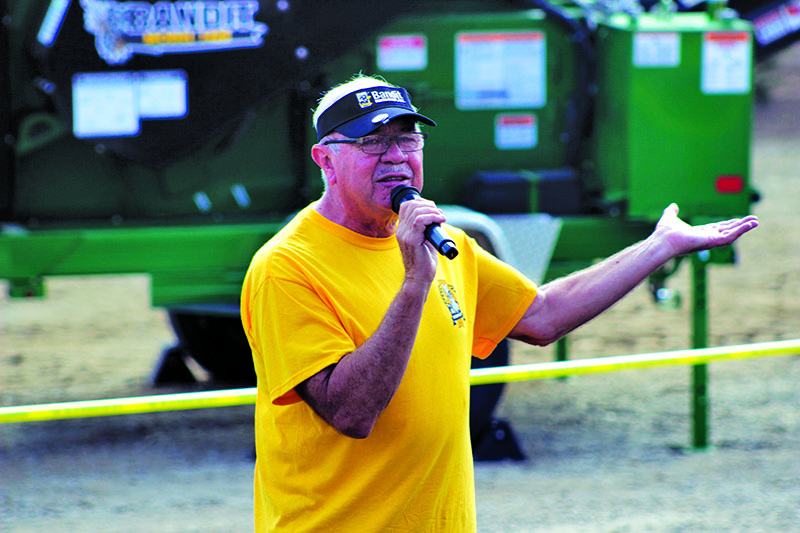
(364, 99)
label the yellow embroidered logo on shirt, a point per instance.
(447, 292)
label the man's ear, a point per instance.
(322, 157)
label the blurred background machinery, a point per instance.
(172, 138)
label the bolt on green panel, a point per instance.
(674, 114)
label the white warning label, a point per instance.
(499, 70)
(402, 52)
(656, 49)
(726, 67)
(516, 132)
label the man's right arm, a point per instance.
(351, 394)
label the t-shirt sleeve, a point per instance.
(504, 294)
(294, 335)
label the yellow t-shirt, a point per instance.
(316, 292)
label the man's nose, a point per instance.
(394, 153)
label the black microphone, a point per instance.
(434, 234)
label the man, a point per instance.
(362, 336)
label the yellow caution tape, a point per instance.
(128, 406)
(599, 365)
(480, 376)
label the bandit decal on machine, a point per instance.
(122, 29)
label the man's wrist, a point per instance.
(415, 287)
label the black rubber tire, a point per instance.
(218, 344)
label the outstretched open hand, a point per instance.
(684, 238)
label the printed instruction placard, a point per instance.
(726, 67)
(656, 49)
(113, 104)
(500, 70)
(516, 131)
(402, 52)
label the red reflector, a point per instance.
(729, 184)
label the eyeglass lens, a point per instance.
(408, 142)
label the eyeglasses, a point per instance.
(379, 144)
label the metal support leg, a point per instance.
(561, 349)
(700, 399)
(562, 352)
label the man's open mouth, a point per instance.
(393, 179)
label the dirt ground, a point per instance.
(605, 453)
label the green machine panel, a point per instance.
(674, 114)
(497, 83)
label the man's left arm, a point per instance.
(566, 303)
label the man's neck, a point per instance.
(374, 228)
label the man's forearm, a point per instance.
(567, 303)
(588, 293)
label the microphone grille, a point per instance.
(400, 194)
